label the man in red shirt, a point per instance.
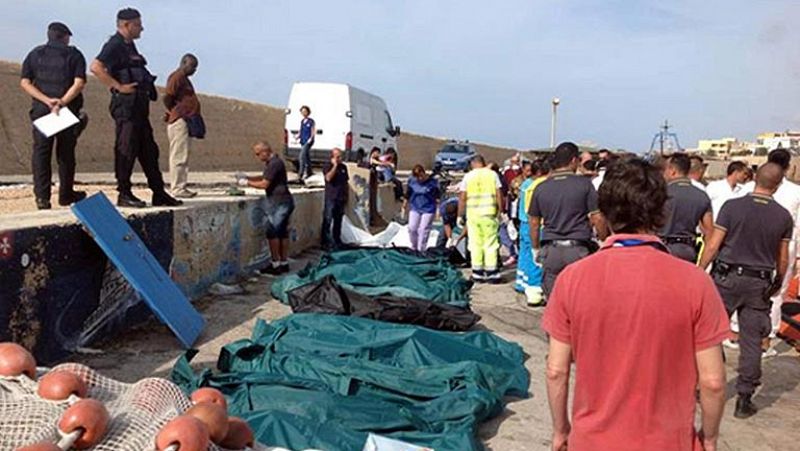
(641, 343)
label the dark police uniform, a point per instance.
(685, 209)
(563, 202)
(336, 194)
(53, 68)
(134, 134)
(755, 225)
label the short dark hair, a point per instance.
(564, 154)
(55, 35)
(451, 208)
(632, 196)
(590, 165)
(603, 151)
(305, 107)
(680, 162)
(781, 157)
(736, 166)
(479, 158)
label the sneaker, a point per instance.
(730, 344)
(71, 198)
(767, 353)
(478, 276)
(165, 200)
(270, 271)
(184, 194)
(510, 261)
(129, 200)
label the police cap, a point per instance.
(128, 14)
(59, 28)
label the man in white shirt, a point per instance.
(788, 196)
(697, 171)
(720, 191)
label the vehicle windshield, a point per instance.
(452, 148)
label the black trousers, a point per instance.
(134, 141)
(554, 259)
(683, 251)
(332, 223)
(41, 162)
(745, 296)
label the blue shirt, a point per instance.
(306, 126)
(448, 219)
(422, 196)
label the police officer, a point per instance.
(687, 208)
(120, 67)
(54, 74)
(566, 203)
(751, 246)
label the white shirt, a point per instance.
(599, 179)
(787, 196)
(698, 185)
(720, 191)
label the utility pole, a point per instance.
(556, 101)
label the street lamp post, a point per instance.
(556, 101)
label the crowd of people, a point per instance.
(54, 75)
(645, 271)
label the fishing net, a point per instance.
(138, 410)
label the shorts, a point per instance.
(277, 215)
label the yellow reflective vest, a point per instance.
(481, 188)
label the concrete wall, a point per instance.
(58, 290)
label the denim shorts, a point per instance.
(277, 217)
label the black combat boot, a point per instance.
(71, 198)
(745, 407)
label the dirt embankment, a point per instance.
(233, 125)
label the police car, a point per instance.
(455, 156)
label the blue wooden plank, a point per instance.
(130, 255)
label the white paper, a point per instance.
(54, 123)
(379, 443)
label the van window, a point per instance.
(363, 115)
(389, 125)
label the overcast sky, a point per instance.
(478, 70)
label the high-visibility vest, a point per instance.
(481, 193)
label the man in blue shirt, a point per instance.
(308, 129)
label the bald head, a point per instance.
(769, 177)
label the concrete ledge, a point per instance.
(58, 291)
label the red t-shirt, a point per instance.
(635, 316)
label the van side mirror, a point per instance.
(287, 111)
(397, 131)
(393, 132)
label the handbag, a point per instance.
(196, 126)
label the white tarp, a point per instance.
(394, 235)
(379, 443)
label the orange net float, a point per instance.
(83, 424)
(214, 417)
(208, 394)
(16, 361)
(41, 446)
(60, 385)
(240, 435)
(184, 433)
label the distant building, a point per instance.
(789, 140)
(723, 148)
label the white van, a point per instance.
(346, 117)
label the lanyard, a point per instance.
(633, 242)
